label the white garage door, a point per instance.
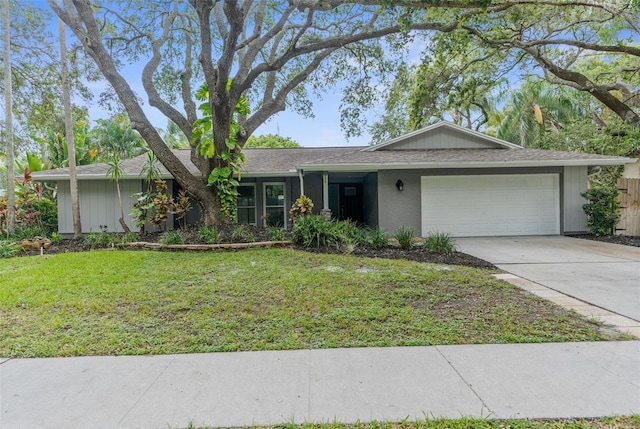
(467, 206)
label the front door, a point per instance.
(351, 202)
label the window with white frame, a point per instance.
(274, 204)
(246, 204)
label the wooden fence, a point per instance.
(630, 212)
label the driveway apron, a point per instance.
(603, 274)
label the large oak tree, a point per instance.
(258, 57)
(262, 51)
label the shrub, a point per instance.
(129, 237)
(56, 238)
(602, 210)
(208, 235)
(376, 238)
(275, 233)
(440, 242)
(8, 249)
(239, 232)
(102, 239)
(26, 232)
(38, 213)
(405, 235)
(313, 230)
(171, 237)
(301, 207)
(348, 232)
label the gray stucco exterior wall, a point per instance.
(398, 209)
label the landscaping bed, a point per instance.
(615, 239)
(251, 234)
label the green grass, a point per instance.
(134, 302)
(618, 422)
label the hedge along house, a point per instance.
(441, 178)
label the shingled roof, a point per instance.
(260, 162)
(476, 150)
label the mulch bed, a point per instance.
(615, 239)
(415, 254)
(261, 234)
(258, 234)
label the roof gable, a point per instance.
(443, 135)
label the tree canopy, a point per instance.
(275, 54)
(468, 73)
(271, 141)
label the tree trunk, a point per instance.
(68, 123)
(8, 129)
(210, 209)
(121, 220)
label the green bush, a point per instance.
(376, 238)
(440, 242)
(41, 214)
(602, 210)
(129, 237)
(101, 240)
(208, 235)
(172, 237)
(405, 235)
(56, 238)
(241, 233)
(8, 249)
(314, 230)
(275, 233)
(348, 232)
(27, 232)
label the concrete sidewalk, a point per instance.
(237, 389)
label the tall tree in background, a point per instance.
(590, 48)
(557, 43)
(115, 137)
(68, 121)
(8, 122)
(35, 72)
(271, 141)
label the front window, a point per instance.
(274, 204)
(246, 204)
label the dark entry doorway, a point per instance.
(351, 202)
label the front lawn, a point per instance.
(135, 302)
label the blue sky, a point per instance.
(322, 130)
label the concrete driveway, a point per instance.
(603, 274)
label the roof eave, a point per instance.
(477, 164)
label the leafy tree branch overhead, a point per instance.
(274, 53)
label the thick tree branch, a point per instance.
(91, 38)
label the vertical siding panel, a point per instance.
(442, 139)
(575, 183)
(65, 219)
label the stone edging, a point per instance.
(205, 247)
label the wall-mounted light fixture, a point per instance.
(399, 185)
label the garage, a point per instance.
(491, 205)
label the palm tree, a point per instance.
(115, 172)
(115, 137)
(536, 108)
